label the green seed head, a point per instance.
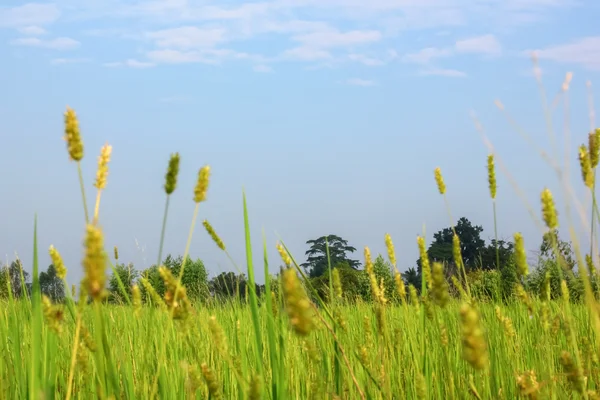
(172, 172)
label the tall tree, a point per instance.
(316, 263)
(195, 277)
(128, 275)
(51, 285)
(228, 285)
(16, 276)
(472, 245)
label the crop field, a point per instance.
(450, 335)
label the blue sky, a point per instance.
(332, 114)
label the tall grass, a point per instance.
(282, 345)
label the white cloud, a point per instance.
(187, 37)
(131, 63)
(451, 73)
(262, 68)
(63, 61)
(28, 14)
(368, 61)
(584, 52)
(426, 55)
(32, 30)
(61, 43)
(333, 38)
(359, 82)
(486, 44)
(306, 54)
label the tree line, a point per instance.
(490, 269)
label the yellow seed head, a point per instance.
(400, 287)
(297, 303)
(573, 372)
(213, 235)
(337, 283)
(520, 255)
(172, 172)
(456, 251)
(94, 263)
(218, 335)
(425, 266)
(587, 172)
(59, 265)
(102, 172)
(175, 296)
(390, 249)
(73, 135)
(439, 287)
(491, 176)
(594, 147)
(473, 340)
(53, 314)
(368, 261)
(202, 184)
(214, 387)
(255, 390)
(564, 290)
(439, 179)
(137, 299)
(545, 291)
(287, 260)
(549, 210)
(414, 296)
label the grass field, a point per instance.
(285, 346)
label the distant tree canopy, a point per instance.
(475, 253)
(16, 277)
(491, 272)
(51, 285)
(317, 263)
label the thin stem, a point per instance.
(162, 232)
(73, 358)
(85, 209)
(496, 235)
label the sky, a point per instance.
(331, 114)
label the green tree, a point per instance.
(194, 279)
(228, 285)
(412, 277)
(128, 275)
(472, 246)
(16, 276)
(316, 263)
(351, 279)
(51, 285)
(488, 260)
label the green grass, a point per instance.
(528, 348)
(391, 366)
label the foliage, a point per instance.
(51, 285)
(16, 276)
(128, 275)
(316, 263)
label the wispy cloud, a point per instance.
(359, 82)
(61, 43)
(331, 33)
(262, 68)
(32, 30)
(131, 63)
(486, 44)
(63, 61)
(451, 73)
(37, 14)
(584, 52)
